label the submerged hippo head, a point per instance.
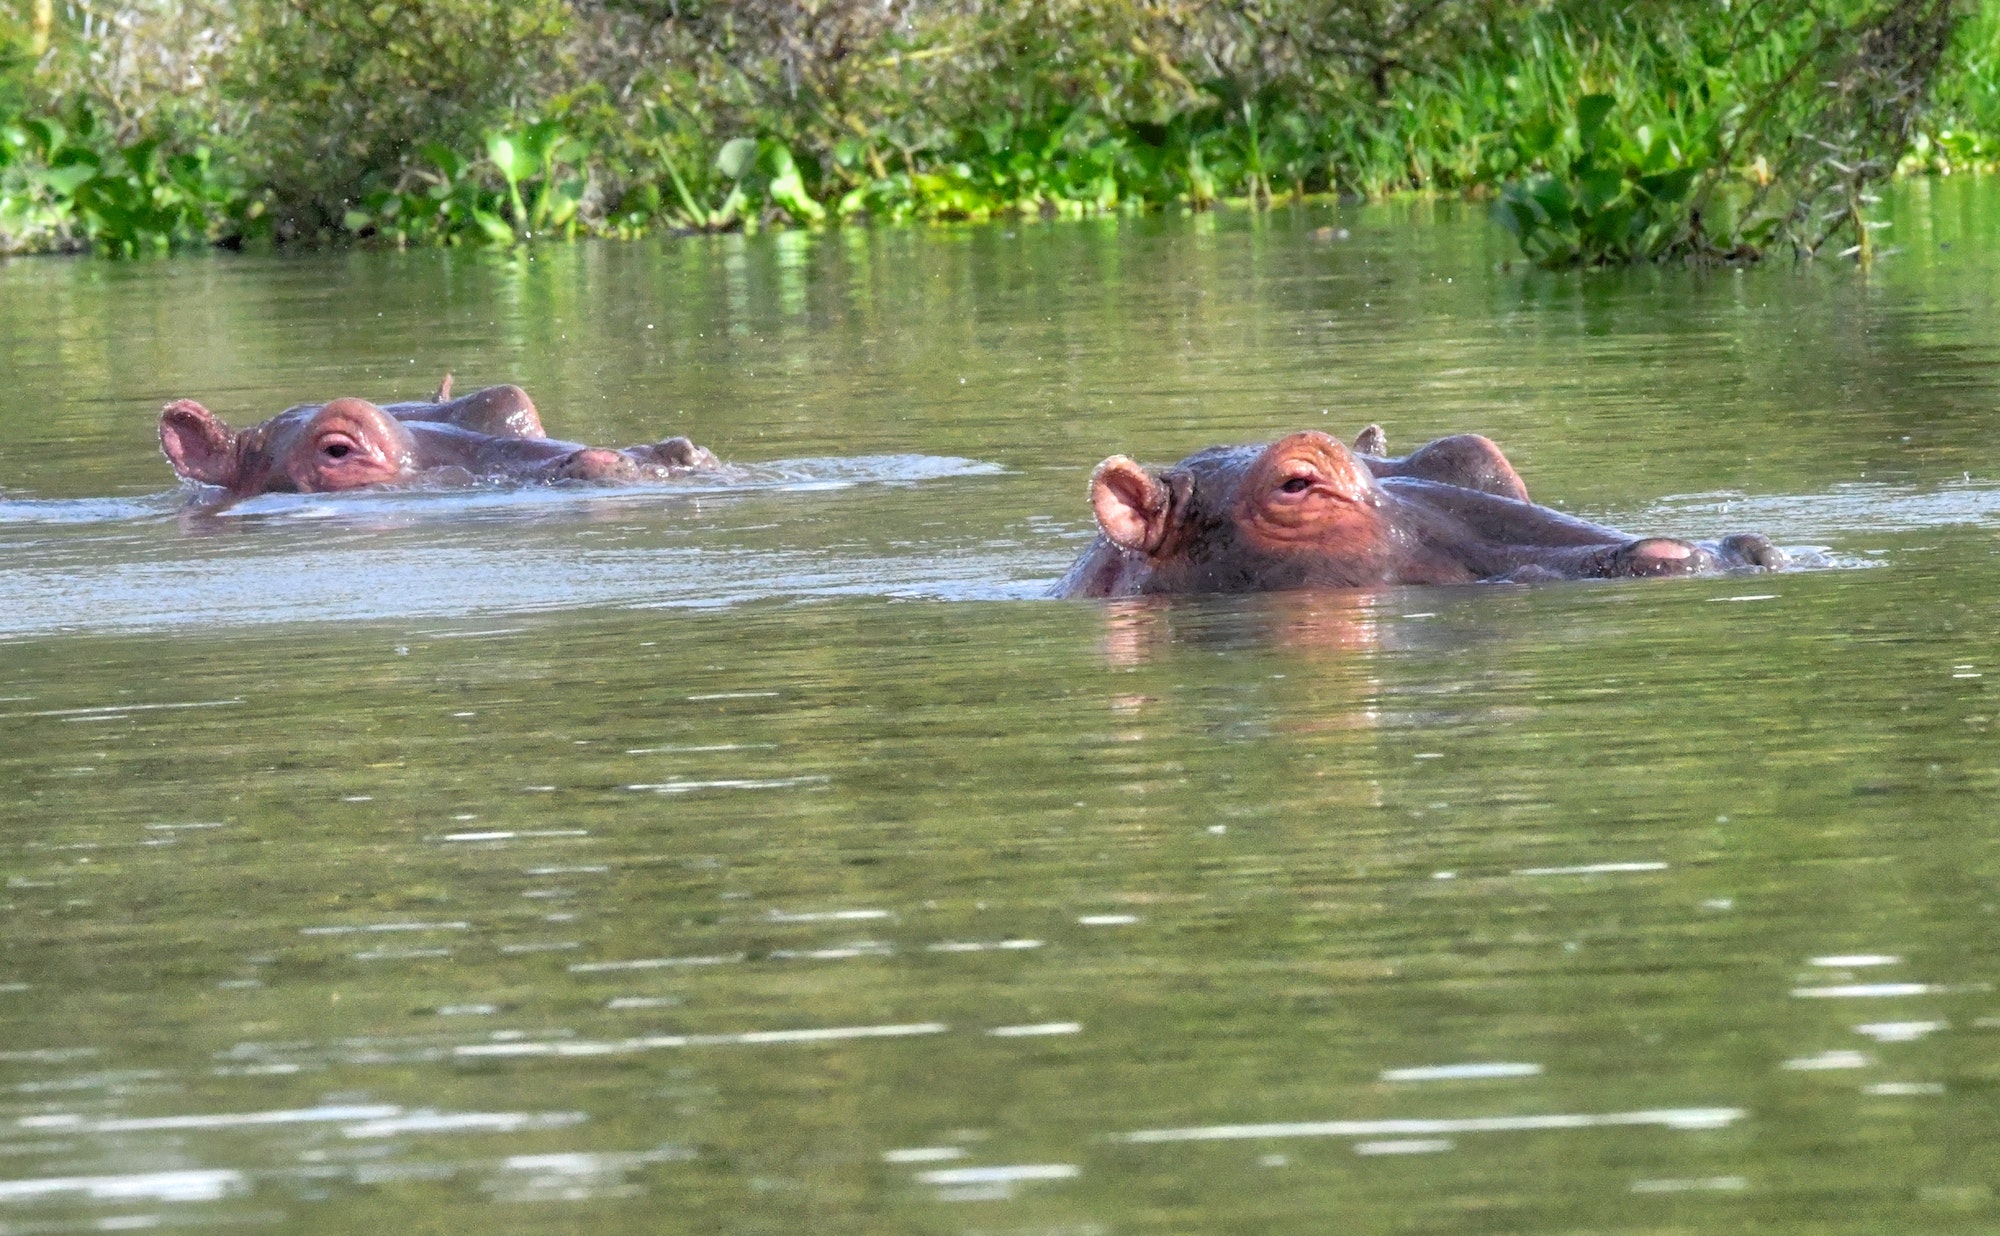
(1228, 519)
(1305, 511)
(340, 445)
(493, 434)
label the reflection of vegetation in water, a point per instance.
(1729, 129)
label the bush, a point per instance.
(1611, 130)
(67, 185)
(339, 98)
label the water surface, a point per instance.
(762, 856)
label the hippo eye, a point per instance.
(335, 450)
(1297, 485)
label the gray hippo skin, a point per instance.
(492, 434)
(1307, 512)
(1465, 459)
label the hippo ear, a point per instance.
(200, 446)
(1131, 504)
(1371, 441)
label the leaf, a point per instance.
(65, 181)
(1597, 189)
(47, 135)
(790, 192)
(507, 154)
(1552, 195)
(1669, 187)
(443, 158)
(786, 187)
(1591, 112)
(139, 155)
(777, 159)
(493, 226)
(540, 140)
(1611, 228)
(736, 157)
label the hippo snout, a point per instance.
(594, 463)
(676, 452)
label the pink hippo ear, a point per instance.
(1132, 505)
(200, 446)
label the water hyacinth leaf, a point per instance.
(444, 159)
(493, 226)
(1611, 228)
(64, 181)
(787, 188)
(140, 153)
(1591, 112)
(1660, 153)
(1669, 187)
(642, 199)
(1552, 196)
(736, 157)
(508, 154)
(46, 135)
(1597, 189)
(75, 156)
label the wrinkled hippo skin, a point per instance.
(1306, 512)
(492, 434)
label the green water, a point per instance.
(764, 857)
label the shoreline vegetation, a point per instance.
(1601, 132)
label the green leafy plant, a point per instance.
(437, 201)
(75, 184)
(753, 175)
(1621, 198)
(545, 159)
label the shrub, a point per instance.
(418, 121)
(339, 98)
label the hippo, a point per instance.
(1308, 512)
(491, 434)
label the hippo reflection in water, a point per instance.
(1305, 511)
(492, 434)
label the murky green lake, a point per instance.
(765, 857)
